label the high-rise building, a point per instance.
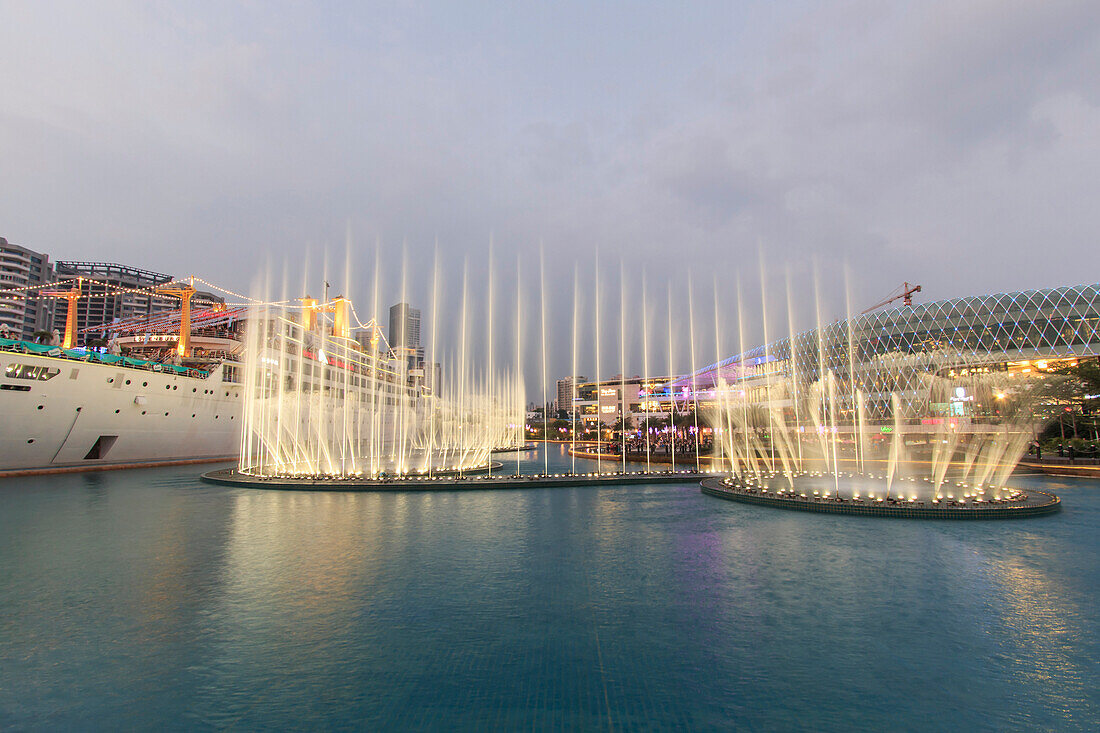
(567, 393)
(404, 334)
(23, 310)
(404, 326)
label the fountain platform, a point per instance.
(1023, 504)
(469, 482)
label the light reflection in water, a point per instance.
(172, 603)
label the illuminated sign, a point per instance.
(608, 408)
(606, 392)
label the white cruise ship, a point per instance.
(74, 410)
(182, 387)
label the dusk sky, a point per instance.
(951, 144)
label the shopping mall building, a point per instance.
(894, 356)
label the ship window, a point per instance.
(15, 370)
(16, 387)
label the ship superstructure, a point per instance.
(280, 386)
(142, 391)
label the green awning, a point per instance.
(41, 348)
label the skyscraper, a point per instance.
(567, 393)
(404, 333)
(404, 326)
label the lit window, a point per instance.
(28, 371)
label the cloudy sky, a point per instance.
(953, 144)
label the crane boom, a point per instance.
(906, 295)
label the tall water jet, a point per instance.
(519, 342)
(432, 356)
(671, 393)
(851, 376)
(795, 377)
(596, 375)
(768, 398)
(622, 360)
(573, 376)
(545, 405)
(721, 390)
(647, 389)
(694, 383)
(489, 333)
(744, 398)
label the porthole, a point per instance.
(168, 386)
(144, 384)
(166, 414)
(127, 381)
(143, 412)
(192, 414)
(215, 417)
(40, 407)
(116, 412)
(110, 380)
(175, 386)
(194, 389)
(30, 440)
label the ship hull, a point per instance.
(92, 416)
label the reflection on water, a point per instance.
(146, 599)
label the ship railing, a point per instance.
(81, 355)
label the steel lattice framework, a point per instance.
(893, 351)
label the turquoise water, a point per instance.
(144, 599)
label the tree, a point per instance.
(1080, 395)
(1085, 376)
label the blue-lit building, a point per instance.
(893, 352)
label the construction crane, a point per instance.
(906, 293)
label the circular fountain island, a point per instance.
(876, 496)
(322, 412)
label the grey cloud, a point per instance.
(944, 142)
